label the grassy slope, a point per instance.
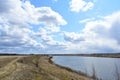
(35, 68)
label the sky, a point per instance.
(59, 26)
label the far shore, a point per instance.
(109, 55)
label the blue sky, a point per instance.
(60, 26)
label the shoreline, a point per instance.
(61, 69)
(38, 68)
(67, 68)
(106, 55)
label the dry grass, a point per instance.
(61, 73)
(36, 68)
(9, 66)
(4, 61)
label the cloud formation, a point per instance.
(73, 37)
(25, 28)
(80, 5)
(97, 35)
(17, 33)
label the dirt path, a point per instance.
(8, 68)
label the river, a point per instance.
(104, 68)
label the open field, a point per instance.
(35, 67)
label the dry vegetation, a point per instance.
(35, 68)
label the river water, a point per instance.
(104, 68)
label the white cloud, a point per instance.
(43, 15)
(17, 34)
(97, 36)
(51, 17)
(87, 20)
(9, 5)
(80, 5)
(52, 29)
(88, 6)
(73, 37)
(16, 30)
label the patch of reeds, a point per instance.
(117, 73)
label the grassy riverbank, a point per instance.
(35, 68)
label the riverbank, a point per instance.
(36, 67)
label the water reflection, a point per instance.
(105, 68)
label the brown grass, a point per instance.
(36, 68)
